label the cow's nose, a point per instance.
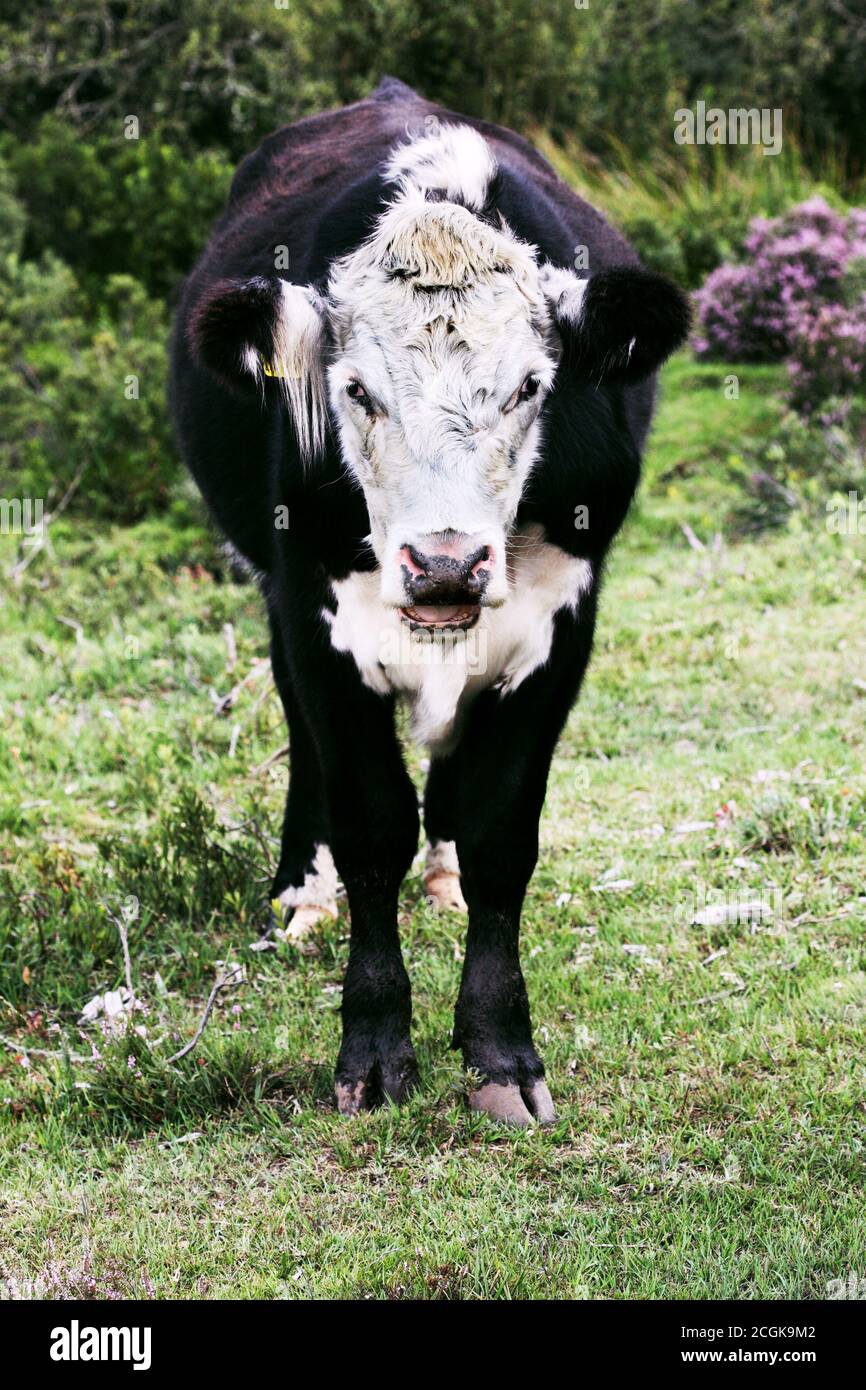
(446, 569)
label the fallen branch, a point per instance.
(127, 963)
(41, 1051)
(715, 955)
(269, 761)
(75, 625)
(231, 647)
(128, 914)
(232, 975)
(224, 703)
(722, 994)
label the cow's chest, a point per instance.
(439, 674)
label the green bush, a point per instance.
(219, 75)
(796, 475)
(83, 399)
(207, 74)
(13, 218)
(109, 205)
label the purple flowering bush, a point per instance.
(827, 364)
(799, 296)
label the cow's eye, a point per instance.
(356, 392)
(529, 388)
(525, 392)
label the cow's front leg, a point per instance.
(492, 1025)
(376, 1058)
(504, 757)
(372, 818)
(373, 812)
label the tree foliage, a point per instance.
(219, 74)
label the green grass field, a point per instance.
(709, 1077)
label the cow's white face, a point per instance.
(443, 355)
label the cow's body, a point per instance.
(490, 698)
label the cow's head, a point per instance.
(436, 343)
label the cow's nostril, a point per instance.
(482, 561)
(414, 562)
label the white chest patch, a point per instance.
(439, 674)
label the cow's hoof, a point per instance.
(369, 1086)
(350, 1098)
(511, 1105)
(298, 925)
(442, 877)
(306, 917)
(444, 891)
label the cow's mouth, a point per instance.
(450, 617)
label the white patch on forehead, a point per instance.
(433, 245)
(504, 648)
(418, 245)
(454, 161)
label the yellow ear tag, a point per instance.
(278, 368)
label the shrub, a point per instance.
(83, 397)
(754, 310)
(828, 360)
(223, 73)
(799, 295)
(13, 218)
(807, 461)
(113, 206)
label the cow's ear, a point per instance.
(266, 335)
(620, 324)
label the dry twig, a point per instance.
(41, 1051)
(231, 975)
(231, 647)
(269, 761)
(261, 666)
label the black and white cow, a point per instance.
(451, 418)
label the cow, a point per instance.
(412, 374)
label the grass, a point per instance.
(709, 1078)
